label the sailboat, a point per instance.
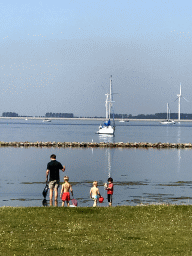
(122, 121)
(46, 120)
(179, 96)
(108, 127)
(168, 121)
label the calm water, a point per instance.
(140, 175)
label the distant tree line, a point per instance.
(59, 115)
(9, 114)
(119, 116)
(152, 116)
(164, 116)
(156, 116)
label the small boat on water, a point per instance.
(122, 121)
(108, 127)
(47, 120)
(168, 120)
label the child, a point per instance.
(65, 195)
(94, 193)
(109, 189)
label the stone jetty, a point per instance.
(95, 144)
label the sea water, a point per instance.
(141, 176)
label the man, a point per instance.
(53, 168)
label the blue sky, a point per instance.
(57, 56)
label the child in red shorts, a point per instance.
(65, 195)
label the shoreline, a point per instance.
(99, 207)
(93, 119)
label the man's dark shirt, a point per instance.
(54, 166)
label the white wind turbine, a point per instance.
(179, 103)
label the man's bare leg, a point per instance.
(51, 194)
(56, 193)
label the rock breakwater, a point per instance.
(95, 144)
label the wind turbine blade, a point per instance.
(176, 99)
(184, 99)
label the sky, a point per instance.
(58, 56)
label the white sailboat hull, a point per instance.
(46, 120)
(167, 122)
(106, 130)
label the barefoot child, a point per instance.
(65, 195)
(109, 189)
(94, 193)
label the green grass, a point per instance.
(125, 230)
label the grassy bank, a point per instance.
(139, 230)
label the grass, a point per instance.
(124, 230)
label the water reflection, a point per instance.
(44, 202)
(179, 160)
(179, 150)
(107, 138)
(108, 153)
(179, 134)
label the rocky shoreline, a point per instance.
(96, 145)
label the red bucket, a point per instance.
(74, 202)
(101, 199)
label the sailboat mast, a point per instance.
(179, 102)
(167, 111)
(110, 95)
(106, 106)
(112, 103)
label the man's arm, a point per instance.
(47, 173)
(63, 168)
